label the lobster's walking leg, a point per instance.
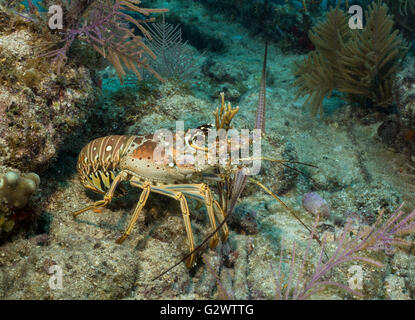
(220, 216)
(201, 192)
(205, 191)
(141, 203)
(177, 194)
(107, 197)
(188, 227)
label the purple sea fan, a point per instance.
(388, 236)
(380, 236)
(106, 26)
(316, 205)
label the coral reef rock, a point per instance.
(38, 108)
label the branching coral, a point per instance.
(174, 59)
(318, 74)
(16, 189)
(360, 63)
(404, 12)
(405, 6)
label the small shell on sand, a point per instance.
(316, 205)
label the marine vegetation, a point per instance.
(313, 272)
(385, 235)
(404, 12)
(173, 57)
(405, 7)
(105, 25)
(361, 64)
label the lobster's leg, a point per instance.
(107, 197)
(188, 227)
(207, 194)
(186, 218)
(178, 192)
(220, 216)
(141, 203)
(200, 191)
(218, 212)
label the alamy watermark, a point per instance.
(356, 20)
(56, 278)
(56, 18)
(355, 281)
(203, 148)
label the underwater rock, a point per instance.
(243, 220)
(6, 225)
(389, 132)
(221, 73)
(402, 272)
(89, 271)
(316, 205)
(404, 95)
(227, 78)
(398, 130)
(38, 108)
(395, 288)
(167, 103)
(17, 189)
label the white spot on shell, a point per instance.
(109, 148)
(86, 159)
(316, 205)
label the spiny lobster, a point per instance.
(105, 162)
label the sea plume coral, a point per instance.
(405, 7)
(359, 63)
(174, 59)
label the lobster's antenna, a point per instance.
(260, 113)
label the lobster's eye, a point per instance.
(205, 128)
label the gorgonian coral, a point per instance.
(359, 63)
(382, 235)
(107, 26)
